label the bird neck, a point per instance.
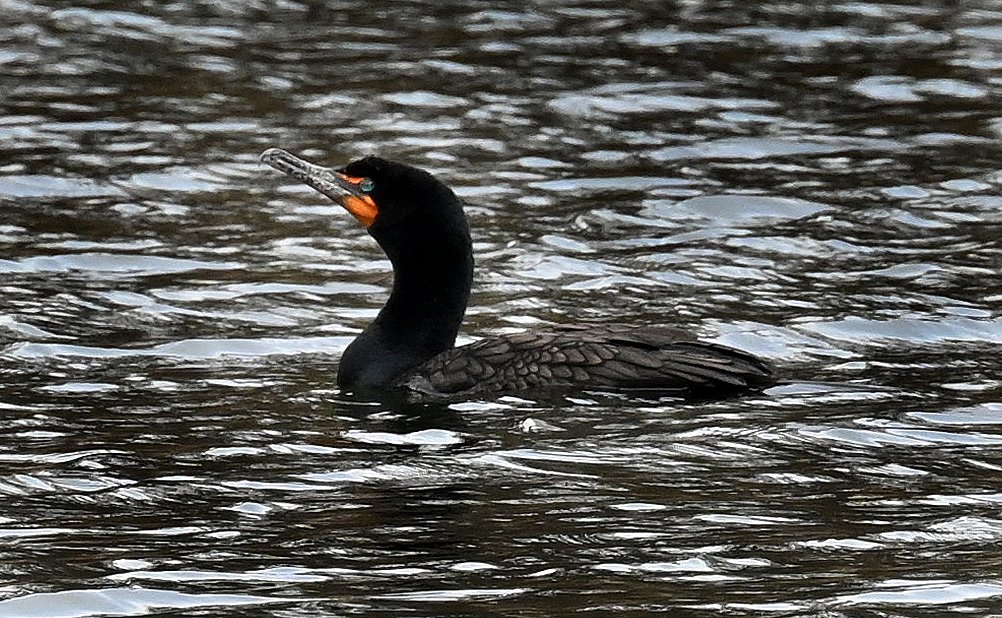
(428, 300)
(431, 288)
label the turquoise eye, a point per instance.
(366, 185)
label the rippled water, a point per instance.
(818, 185)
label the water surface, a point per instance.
(820, 186)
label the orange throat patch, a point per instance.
(362, 208)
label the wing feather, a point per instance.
(599, 356)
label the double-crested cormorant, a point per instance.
(408, 349)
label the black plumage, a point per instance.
(408, 349)
(615, 356)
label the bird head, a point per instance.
(387, 197)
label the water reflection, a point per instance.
(819, 185)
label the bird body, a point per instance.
(596, 356)
(409, 348)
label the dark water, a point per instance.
(818, 185)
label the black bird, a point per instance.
(408, 349)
